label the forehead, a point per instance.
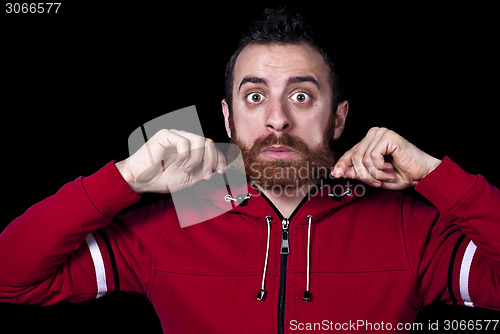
(280, 61)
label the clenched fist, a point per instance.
(170, 161)
(385, 159)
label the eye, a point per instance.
(255, 97)
(300, 97)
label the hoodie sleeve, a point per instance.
(455, 250)
(61, 249)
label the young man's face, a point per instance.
(282, 108)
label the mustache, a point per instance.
(284, 139)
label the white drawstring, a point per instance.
(262, 292)
(307, 294)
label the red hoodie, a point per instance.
(369, 260)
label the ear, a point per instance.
(340, 116)
(225, 111)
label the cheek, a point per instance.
(245, 127)
(312, 130)
(313, 138)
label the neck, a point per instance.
(286, 200)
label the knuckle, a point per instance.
(159, 135)
(357, 156)
(376, 173)
(390, 133)
(207, 164)
(183, 155)
(184, 141)
(162, 132)
(364, 175)
(373, 130)
(366, 159)
(199, 141)
(183, 150)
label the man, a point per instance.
(303, 258)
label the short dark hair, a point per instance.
(282, 25)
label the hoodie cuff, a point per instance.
(108, 190)
(446, 185)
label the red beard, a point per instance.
(313, 164)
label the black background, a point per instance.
(77, 83)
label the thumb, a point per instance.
(343, 165)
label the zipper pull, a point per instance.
(285, 246)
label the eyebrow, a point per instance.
(252, 79)
(300, 79)
(290, 81)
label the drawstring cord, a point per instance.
(307, 294)
(262, 292)
(261, 295)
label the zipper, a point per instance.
(285, 246)
(284, 251)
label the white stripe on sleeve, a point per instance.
(464, 273)
(100, 271)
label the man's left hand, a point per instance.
(385, 159)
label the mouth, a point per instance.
(279, 152)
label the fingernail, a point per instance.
(188, 169)
(376, 184)
(179, 163)
(207, 172)
(221, 168)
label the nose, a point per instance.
(278, 119)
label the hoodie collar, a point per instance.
(318, 202)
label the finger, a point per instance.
(168, 140)
(351, 173)
(196, 148)
(350, 165)
(362, 165)
(383, 179)
(342, 165)
(361, 173)
(387, 166)
(345, 161)
(395, 185)
(361, 169)
(385, 173)
(372, 168)
(373, 157)
(383, 176)
(382, 151)
(379, 150)
(209, 159)
(221, 162)
(380, 171)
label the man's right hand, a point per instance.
(171, 160)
